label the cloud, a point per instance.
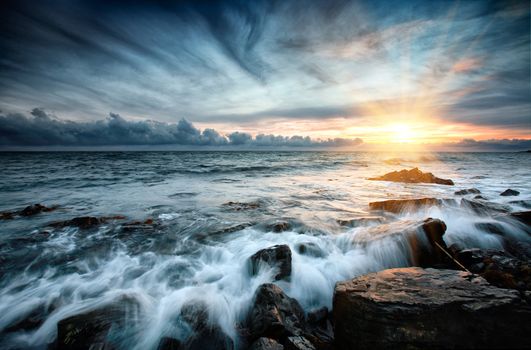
(488, 145)
(45, 129)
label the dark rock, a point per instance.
(522, 203)
(357, 222)
(35, 209)
(167, 343)
(480, 197)
(402, 205)
(311, 249)
(318, 315)
(491, 227)
(238, 206)
(484, 207)
(509, 192)
(274, 314)
(266, 344)
(467, 191)
(414, 308)
(412, 176)
(523, 216)
(424, 239)
(278, 255)
(6, 215)
(298, 343)
(279, 226)
(320, 332)
(90, 330)
(205, 335)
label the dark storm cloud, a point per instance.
(43, 129)
(489, 145)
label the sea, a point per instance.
(181, 226)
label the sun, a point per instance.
(402, 133)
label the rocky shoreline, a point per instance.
(448, 297)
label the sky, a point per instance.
(306, 73)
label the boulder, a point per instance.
(509, 192)
(266, 344)
(424, 239)
(274, 315)
(412, 176)
(275, 256)
(414, 308)
(404, 205)
(467, 191)
(90, 330)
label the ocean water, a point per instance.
(197, 249)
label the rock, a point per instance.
(509, 192)
(82, 222)
(311, 249)
(320, 332)
(423, 238)
(167, 343)
(467, 191)
(238, 206)
(274, 314)
(522, 203)
(317, 316)
(6, 215)
(402, 205)
(499, 268)
(357, 222)
(483, 207)
(480, 197)
(279, 226)
(89, 330)
(266, 344)
(205, 335)
(414, 308)
(491, 227)
(298, 343)
(523, 216)
(34, 209)
(278, 255)
(412, 176)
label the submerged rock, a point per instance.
(82, 222)
(238, 206)
(509, 192)
(279, 226)
(34, 209)
(402, 205)
(275, 256)
(412, 176)
(6, 215)
(357, 222)
(414, 308)
(483, 207)
(311, 249)
(467, 191)
(274, 314)
(424, 239)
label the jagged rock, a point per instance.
(412, 176)
(311, 249)
(414, 308)
(266, 344)
(424, 239)
(367, 221)
(467, 191)
(509, 192)
(275, 256)
(298, 343)
(483, 207)
(320, 332)
(274, 314)
(34, 209)
(167, 343)
(205, 335)
(523, 216)
(89, 330)
(405, 205)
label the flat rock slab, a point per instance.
(417, 308)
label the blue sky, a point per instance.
(324, 69)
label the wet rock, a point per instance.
(483, 207)
(6, 215)
(317, 316)
(412, 176)
(90, 330)
(274, 314)
(205, 335)
(424, 239)
(499, 268)
(266, 344)
(238, 206)
(523, 216)
(320, 332)
(480, 197)
(357, 222)
(35, 209)
(491, 227)
(414, 308)
(279, 226)
(522, 203)
(311, 249)
(509, 192)
(82, 222)
(275, 256)
(467, 191)
(167, 343)
(298, 343)
(402, 205)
